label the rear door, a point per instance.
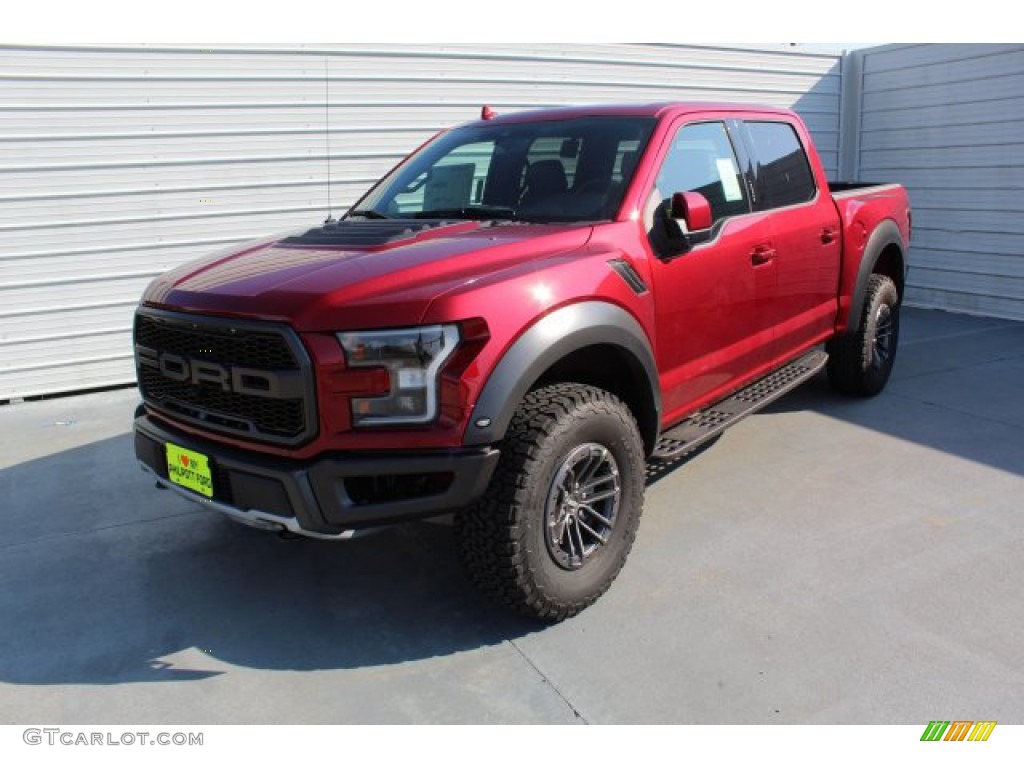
(713, 327)
(805, 235)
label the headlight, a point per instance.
(413, 357)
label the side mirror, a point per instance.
(693, 209)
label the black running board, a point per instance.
(715, 419)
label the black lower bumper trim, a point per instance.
(335, 492)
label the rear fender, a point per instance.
(886, 234)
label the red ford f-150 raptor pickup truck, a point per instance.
(510, 324)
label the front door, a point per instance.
(710, 288)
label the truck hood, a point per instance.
(356, 274)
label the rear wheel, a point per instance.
(860, 362)
(562, 510)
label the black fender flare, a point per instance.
(541, 345)
(887, 233)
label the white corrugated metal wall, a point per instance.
(118, 163)
(945, 121)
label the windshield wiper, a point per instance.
(481, 213)
(368, 213)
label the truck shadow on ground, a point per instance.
(109, 581)
(911, 418)
(105, 579)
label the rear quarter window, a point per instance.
(783, 175)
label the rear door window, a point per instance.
(782, 175)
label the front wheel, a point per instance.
(561, 512)
(860, 362)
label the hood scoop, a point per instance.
(377, 234)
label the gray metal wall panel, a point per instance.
(117, 163)
(944, 120)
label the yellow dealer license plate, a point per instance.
(189, 470)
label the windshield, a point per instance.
(558, 170)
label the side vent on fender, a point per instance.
(626, 272)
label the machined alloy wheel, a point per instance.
(563, 506)
(882, 340)
(861, 360)
(582, 505)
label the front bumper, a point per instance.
(326, 497)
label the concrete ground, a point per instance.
(826, 561)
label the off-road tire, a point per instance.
(503, 538)
(861, 361)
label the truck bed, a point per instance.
(847, 188)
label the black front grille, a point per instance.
(217, 408)
(221, 344)
(257, 347)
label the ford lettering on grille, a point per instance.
(244, 381)
(235, 377)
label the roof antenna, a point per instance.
(327, 134)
